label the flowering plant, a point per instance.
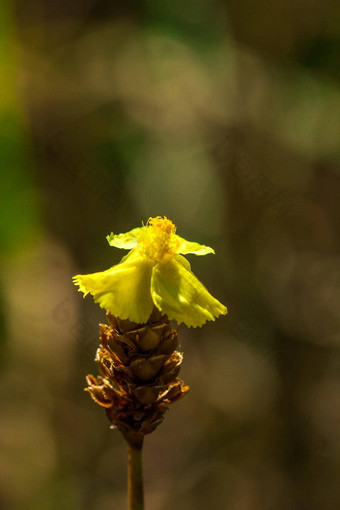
(153, 273)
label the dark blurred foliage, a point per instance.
(226, 118)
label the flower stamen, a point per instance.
(159, 239)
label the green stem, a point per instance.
(135, 478)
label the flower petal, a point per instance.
(177, 292)
(190, 247)
(125, 241)
(124, 289)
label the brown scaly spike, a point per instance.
(139, 368)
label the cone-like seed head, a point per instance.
(139, 369)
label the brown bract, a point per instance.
(139, 367)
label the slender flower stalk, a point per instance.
(135, 478)
(137, 355)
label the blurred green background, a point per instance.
(226, 118)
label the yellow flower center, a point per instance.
(159, 239)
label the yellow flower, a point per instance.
(153, 273)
